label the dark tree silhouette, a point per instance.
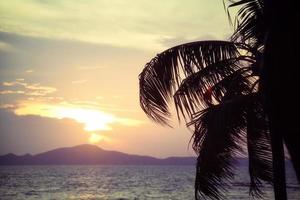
(279, 86)
(268, 26)
(215, 88)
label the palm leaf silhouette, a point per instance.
(163, 74)
(220, 132)
(259, 148)
(214, 85)
(250, 26)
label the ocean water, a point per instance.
(116, 183)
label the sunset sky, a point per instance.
(69, 71)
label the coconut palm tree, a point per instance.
(215, 90)
(214, 85)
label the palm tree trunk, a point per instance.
(280, 73)
(277, 78)
(278, 162)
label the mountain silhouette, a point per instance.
(87, 154)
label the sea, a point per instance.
(118, 183)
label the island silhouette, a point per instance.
(87, 154)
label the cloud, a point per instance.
(14, 83)
(64, 58)
(8, 83)
(12, 92)
(64, 54)
(38, 90)
(34, 134)
(29, 89)
(131, 23)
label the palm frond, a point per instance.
(217, 140)
(199, 90)
(259, 147)
(250, 25)
(163, 74)
(238, 83)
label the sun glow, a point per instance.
(93, 119)
(95, 138)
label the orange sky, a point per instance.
(69, 71)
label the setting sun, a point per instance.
(95, 138)
(93, 119)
